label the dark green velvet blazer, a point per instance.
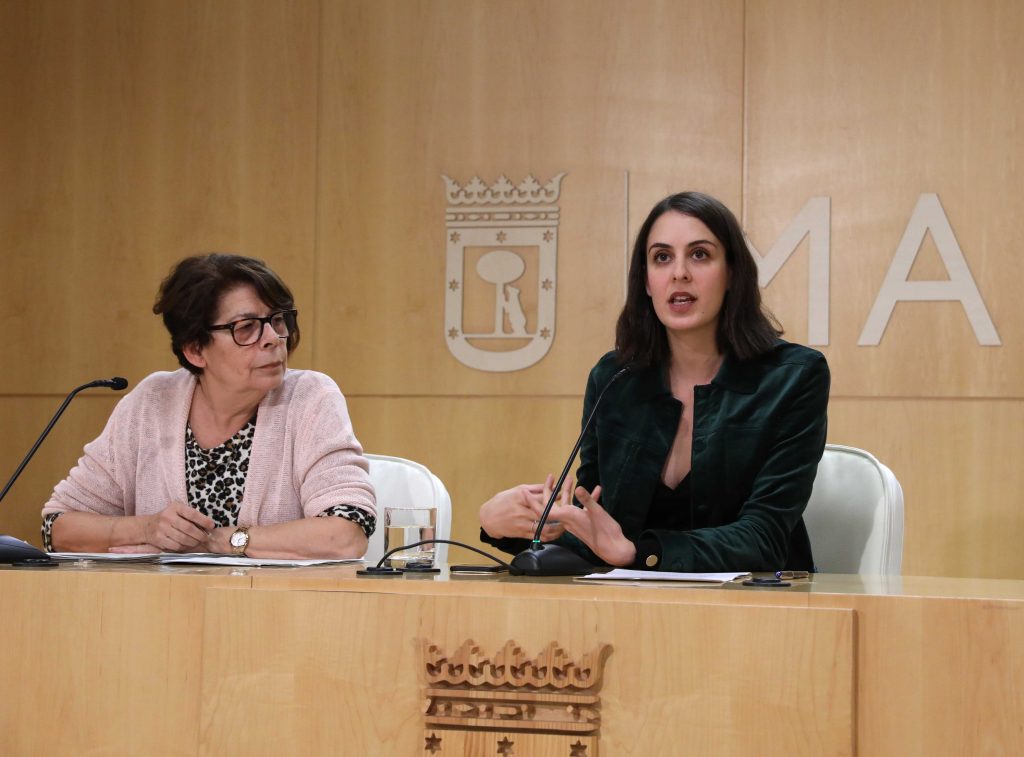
(759, 432)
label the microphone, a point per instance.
(551, 559)
(117, 384)
(11, 549)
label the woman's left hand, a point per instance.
(591, 524)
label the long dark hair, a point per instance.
(189, 297)
(745, 328)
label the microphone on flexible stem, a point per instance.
(14, 550)
(551, 559)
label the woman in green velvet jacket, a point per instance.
(702, 457)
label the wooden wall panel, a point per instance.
(24, 418)
(955, 461)
(144, 131)
(873, 104)
(412, 91)
(314, 134)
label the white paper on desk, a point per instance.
(191, 558)
(622, 574)
(106, 556)
(244, 562)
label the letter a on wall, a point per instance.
(929, 216)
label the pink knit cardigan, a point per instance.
(305, 456)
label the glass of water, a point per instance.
(408, 525)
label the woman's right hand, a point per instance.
(177, 528)
(515, 512)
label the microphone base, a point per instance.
(14, 551)
(550, 560)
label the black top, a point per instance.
(671, 509)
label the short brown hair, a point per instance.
(188, 298)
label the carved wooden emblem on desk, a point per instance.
(511, 704)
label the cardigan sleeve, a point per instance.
(330, 468)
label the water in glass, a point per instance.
(408, 525)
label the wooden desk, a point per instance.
(102, 660)
(149, 660)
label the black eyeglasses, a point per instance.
(246, 331)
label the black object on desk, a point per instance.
(550, 560)
(17, 552)
(767, 583)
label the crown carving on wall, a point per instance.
(512, 668)
(503, 192)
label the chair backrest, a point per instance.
(404, 483)
(855, 514)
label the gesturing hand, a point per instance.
(591, 524)
(515, 512)
(177, 528)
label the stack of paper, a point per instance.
(192, 558)
(622, 574)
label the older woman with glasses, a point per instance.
(232, 453)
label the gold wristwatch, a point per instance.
(239, 541)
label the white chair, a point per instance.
(404, 483)
(855, 514)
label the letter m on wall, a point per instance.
(811, 222)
